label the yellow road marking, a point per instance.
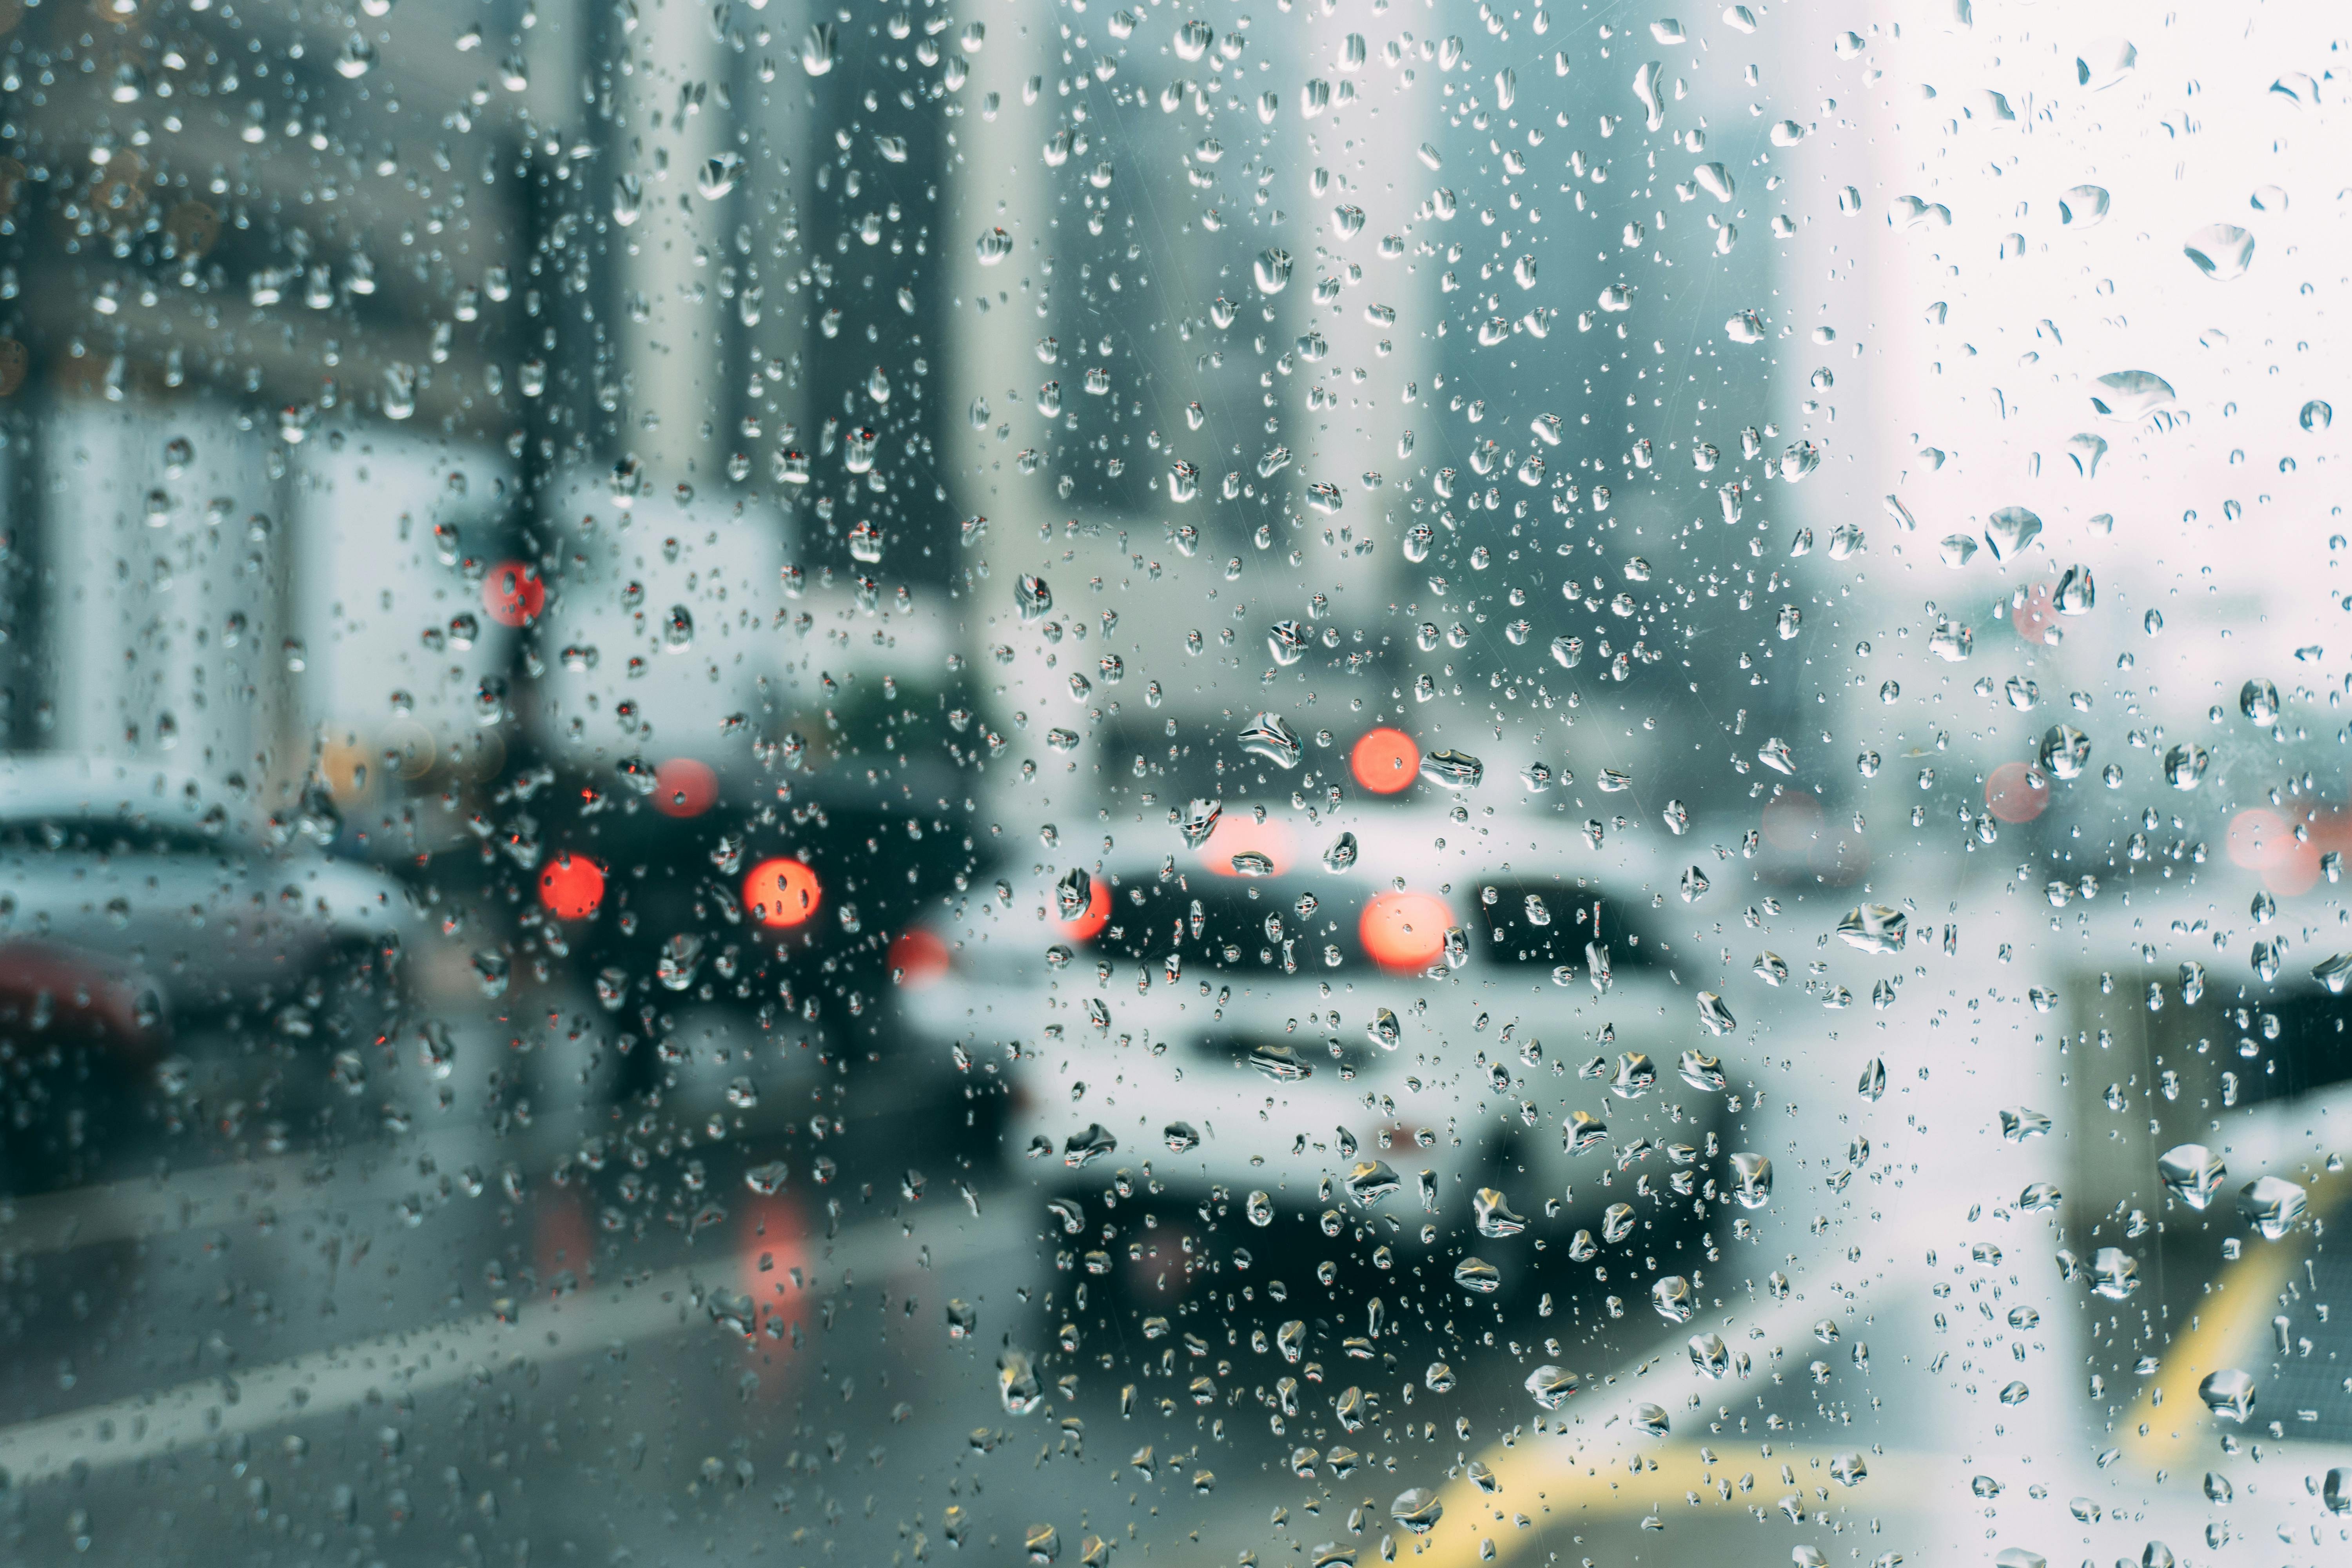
(2228, 1333)
(1556, 1484)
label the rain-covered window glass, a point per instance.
(1214, 781)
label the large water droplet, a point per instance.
(2065, 752)
(1454, 770)
(1271, 737)
(2185, 765)
(2191, 1173)
(2130, 393)
(2229, 1394)
(2083, 207)
(1372, 1180)
(1874, 928)
(2274, 1207)
(2221, 252)
(2104, 63)
(2114, 1273)
(817, 47)
(2011, 530)
(1493, 1215)
(1752, 1178)
(1477, 1276)
(1553, 1387)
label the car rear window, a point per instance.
(1533, 921)
(1223, 925)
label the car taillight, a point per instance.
(1385, 760)
(1083, 926)
(1404, 931)
(1262, 848)
(512, 593)
(783, 893)
(572, 886)
(920, 957)
(685, 787)
(57, 991)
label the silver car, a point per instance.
(150, 933)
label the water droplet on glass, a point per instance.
(1874, 927)
(2130, 394)
(817, 47)
(1016, 1382)
(1713, 1015)
(1552, 1387)
(2011, 530)
(2316, 416)
(1477, 1276)
(1273, 270)
(2221, 252)
(1271, 737)
(2229, 1394)
(1493, 1215)
(1752, 1178)
(2082, 206)
(1872, 1083)
(2114, 1273)
(2191, 1173)
(2273, 1206)
(2065, 752)
(2105, 62)
(1454, 770)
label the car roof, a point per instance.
(1391, 845)
(50, 783)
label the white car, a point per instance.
(1388, 1040)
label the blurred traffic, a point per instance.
(1504, 786)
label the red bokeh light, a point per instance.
(512, 593)
(2017, 792)
(782, 892)
(918, 957)
(1385, 760)
(2262, 840)
(2034, 618)
(1405, 931)
(1096, 915)
(572, 886)
(684, 787)
(1245, 834)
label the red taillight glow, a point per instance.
(1404, 931)
(2017, 792)
(1385, 760)
(512, 593)
(783, 892)
(1095, 916)
(1246, 835)
(684, 787)
(572, 887)
(918, 957)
